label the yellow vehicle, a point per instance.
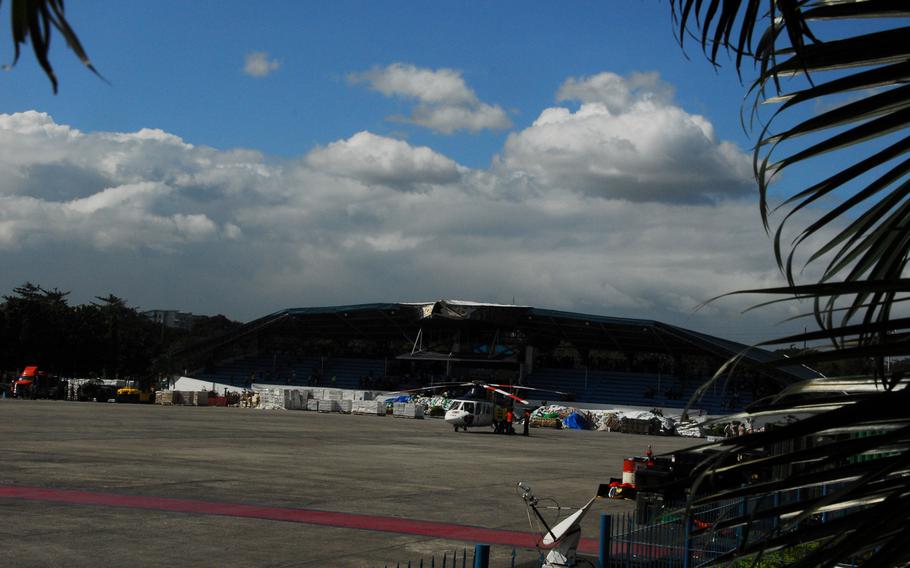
(132, 392)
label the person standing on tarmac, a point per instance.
(510, 417)
(527, 423)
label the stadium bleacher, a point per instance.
(283, 369)
(349, 345)
(584, 385)
(631, 389)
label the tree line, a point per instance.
(105, 338)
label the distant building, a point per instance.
(583, 357)
(171, 318)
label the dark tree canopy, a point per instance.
(104, 338)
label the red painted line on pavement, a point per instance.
(434, 529)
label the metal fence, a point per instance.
(673, 540)
(662, 537)
(669, 541)
(479, 558)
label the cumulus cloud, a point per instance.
(616, 93)
(378, 160)
(258, 64)
(445, 103)
(103, 190)
(442, 86)
(627, 140)
(167, 224)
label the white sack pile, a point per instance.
(283, 399)
(370, 407)
(611, 420)
(407, 410)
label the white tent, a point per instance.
(191, 384)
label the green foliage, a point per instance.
(105, 338)
(780, 559)
(35, 323)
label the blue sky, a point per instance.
(564, 155)
(178, 66)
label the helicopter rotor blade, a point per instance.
(504, 393)
(497, 388)
(530, 389)
(438, 386)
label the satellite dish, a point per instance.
(562, 540)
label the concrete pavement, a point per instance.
(365, 465)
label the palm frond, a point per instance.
(834, 450)
(34, 21)
(873, 68)
(845, 456)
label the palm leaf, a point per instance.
(866, 479)
(854, 479)
(34, 21)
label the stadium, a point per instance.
(596, 359)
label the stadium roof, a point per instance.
(536, 326)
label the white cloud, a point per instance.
(137, 195)
(442, 86)
(561, 220)
(450, 118)
(377, 160)
(626, 141)
(618, 94)
(258, 64)
(445, 102)
(32, 122)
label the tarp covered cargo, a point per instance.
(402, 398)
(575, 421)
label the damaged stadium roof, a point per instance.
(517, 325)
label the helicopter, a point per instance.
(475, 409)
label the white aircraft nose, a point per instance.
(455, 417)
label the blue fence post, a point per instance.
(481, 556)
(606, 524)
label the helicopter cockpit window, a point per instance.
(468, 407)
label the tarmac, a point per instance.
(103, 484)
